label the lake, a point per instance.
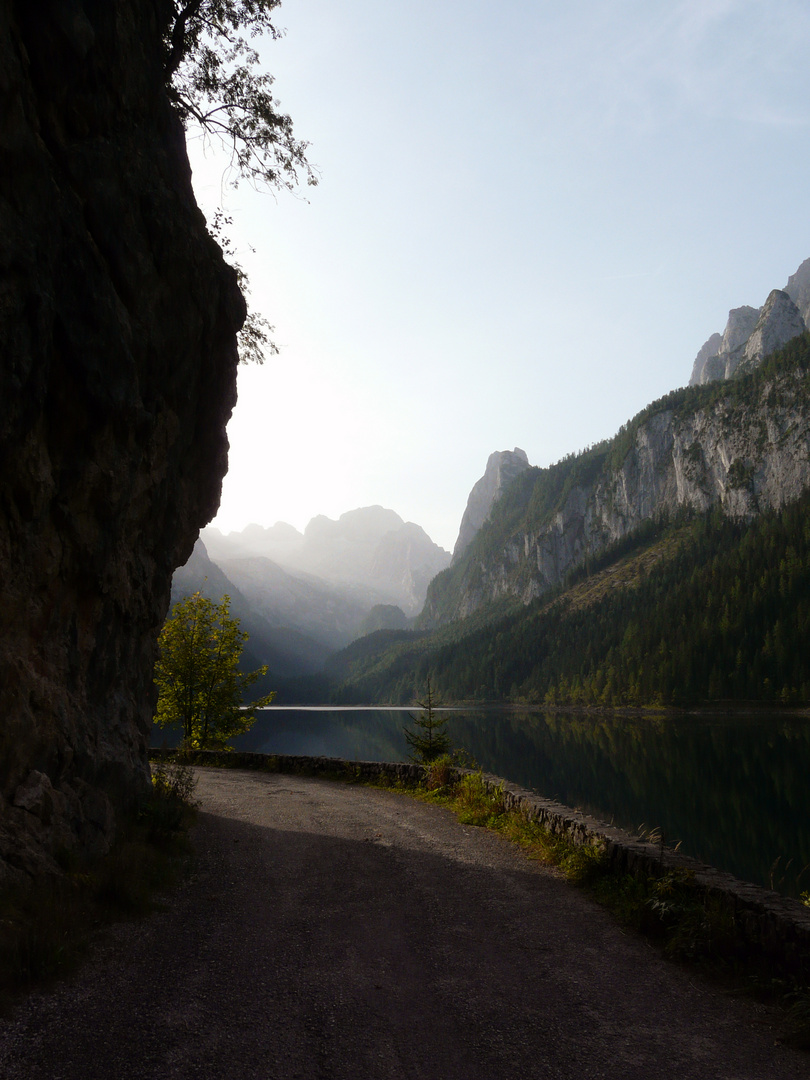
(734, 790)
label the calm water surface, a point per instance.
(735, 791)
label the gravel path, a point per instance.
(334, 931)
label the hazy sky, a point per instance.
(531, 216)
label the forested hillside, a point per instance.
(696, 611)
(741, 444)
(693, 605)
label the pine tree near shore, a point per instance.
(430, 739)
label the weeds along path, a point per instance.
(332, 931)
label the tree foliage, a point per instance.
(201, 688)
(429, 739)
(254, 341)
(216, 82)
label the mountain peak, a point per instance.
(798, 289)
(708, 352)
(723, 361)
(502, 467)
(779, 322)
(751, 333)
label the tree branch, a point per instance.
(178, 35)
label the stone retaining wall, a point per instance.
(764, 921)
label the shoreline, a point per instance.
(721, 709)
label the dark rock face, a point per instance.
(117, 326)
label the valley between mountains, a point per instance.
(669, 565)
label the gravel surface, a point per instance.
(332, 931)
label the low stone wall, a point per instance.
(764, 921)
(311, 766)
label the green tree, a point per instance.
(429, 740)
(200, 686)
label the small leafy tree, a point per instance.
(430, 739)
(200, 686)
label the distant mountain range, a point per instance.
(284, 648)
(301, 596)
(371, 548)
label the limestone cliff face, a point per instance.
(753, 333)
(722, 362)
(502, 468)
(745, 457)
(405, 562)
(118, 318)
(779, 322)
(708, 352)
(798, 289)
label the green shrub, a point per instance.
(440, 772)
(582, 864)
(477, 802)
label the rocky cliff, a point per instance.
(742, 445)
(798, 289)
(753, 333)
(502, 468)
(118, 340)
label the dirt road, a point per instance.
(340, 932)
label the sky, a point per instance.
(530, 217)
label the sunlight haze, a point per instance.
(529, 220)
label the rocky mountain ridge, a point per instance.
(741, 444)
(754, 333)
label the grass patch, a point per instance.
(45, 928)
(477, 802)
